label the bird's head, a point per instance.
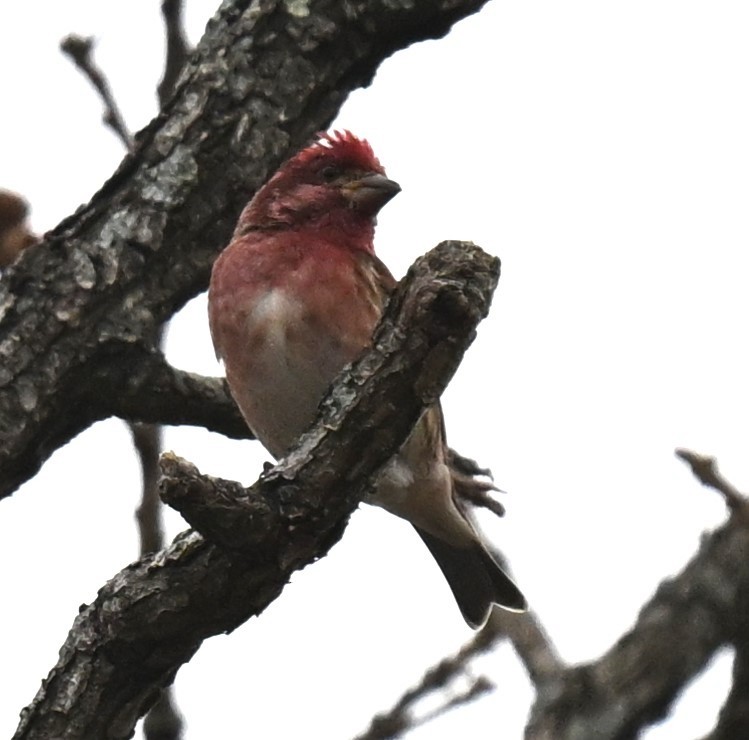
(335, 179)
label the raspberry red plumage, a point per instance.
(294, 298)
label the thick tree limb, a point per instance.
(84, 303)
(436, 304)
(152, 616)
(676, 633)
(733, 721)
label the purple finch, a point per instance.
(293, 299)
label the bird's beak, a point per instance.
(371, 192)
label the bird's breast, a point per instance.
(285, 340)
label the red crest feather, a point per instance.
(342, 147)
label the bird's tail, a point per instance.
(475, 578)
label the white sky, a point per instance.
(601, 150)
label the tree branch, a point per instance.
(637, 680)
(527, 637)
(153, 391)
(676, 633)
(80, 50)
(733, 721)
(705, 469)
(263, 79)
(152, 616)
(177, 50)
(402, 717)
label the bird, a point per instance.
(15, 235)
(293, 299)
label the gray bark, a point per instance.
(153, 615)
(79, 311)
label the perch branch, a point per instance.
(75, 307)
(152, 616)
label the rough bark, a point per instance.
(676, 633)
(152, 616)
(78, 310)
(635, 683)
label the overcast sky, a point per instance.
(600, 150)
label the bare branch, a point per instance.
(477, 688)
(76, 307)
(676, 633)
(163, 721)
(152, 391)
(402, 717)
(147, 441)
(176, 48)
(531, 643)
(705, 469)
(636, 681)
(80, 50)
(525, 634)
(733, 721)
(152, 617)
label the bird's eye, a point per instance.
(329, 173)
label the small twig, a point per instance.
(147, 441)
(705, 469)
(400, 717)
(176, 48)
(80, 51)
(527, 637)
(163, 721)
(479, 686)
